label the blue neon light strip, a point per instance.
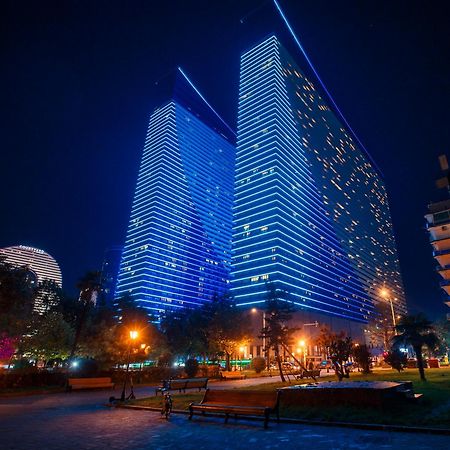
(177, 252)
(271, 161)
(283, 16)
(204, 99)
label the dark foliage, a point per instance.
(416, 331)
(191, 367)
(258, 364)
(396, 359)
(362, 356)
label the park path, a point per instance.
(80, 420)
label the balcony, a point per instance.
(445, 284)
(441, 253)
(442, 257)
(444, 272)
(441, 239)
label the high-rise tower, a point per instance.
(177, 251)
(311, 211)
(110, 269)
(41, 267)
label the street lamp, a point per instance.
(302, 350)
(133, 336)
(385, 294)
(266, 353)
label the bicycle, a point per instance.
(167, 404)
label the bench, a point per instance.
(182, 384)
(90, 383)
(309, 374)
(232, 375)
(236, 402)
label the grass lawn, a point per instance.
(433, 410)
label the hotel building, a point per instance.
(40, 265)
(178, 245)
(311, 211)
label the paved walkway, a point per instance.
(81, 421)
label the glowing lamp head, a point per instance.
(302, 343)
(242, 349)
(384, 292)
(254, 310)
(133, 334)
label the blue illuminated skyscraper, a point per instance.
(178, 245)
(311, 212)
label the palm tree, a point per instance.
(416, 331)
(89, 287)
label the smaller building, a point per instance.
(41, 266)
(438, 226)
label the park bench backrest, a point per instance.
(177, 384)
(234, 397)
(196, 382)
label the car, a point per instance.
(325, 364)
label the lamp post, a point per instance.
(266, 353)
(133, 336)
(385, 294)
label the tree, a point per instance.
(49, 294)
(338, 348)
(181, 330)
(226, 328)
(105, 335)
(89, 286)
(217, 328)
(380, 326)
(17, 296)
(396, 359)
(50, 337)
(7, 347)
(362, 356)
(340, 351)
(191, 367)
(442, 330)
(416, 331)
(277, 332)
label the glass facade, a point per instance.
(310, 212)
(178, 246)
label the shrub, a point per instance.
(362, 356)
(396, 359)
(258, 364)
(191, 367)
(165, 360)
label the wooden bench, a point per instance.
(232, 375)
(308, 374)
(182, 384)
(90, 383)
(236, 402)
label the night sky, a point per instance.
(78, 86)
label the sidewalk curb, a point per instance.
(362, 426)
